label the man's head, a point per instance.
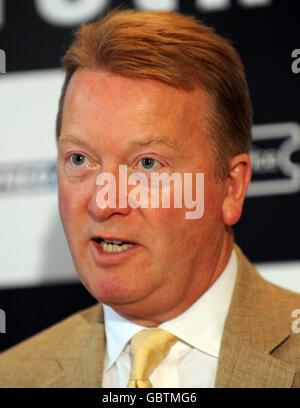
(137, 95)
(179, 51)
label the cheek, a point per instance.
(165, 220)
(171, 233)
(214, 198)
(72, 206)
(65, 204)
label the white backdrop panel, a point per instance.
(33, 246)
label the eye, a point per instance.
(149, 163)
(78, 160)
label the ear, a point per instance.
(237, 184)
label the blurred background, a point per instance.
(38, 284)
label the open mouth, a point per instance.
(113, 245)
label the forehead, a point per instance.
(98, 101)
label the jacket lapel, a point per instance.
(241, 365)
(254, 328)
(86, 369)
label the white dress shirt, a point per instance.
(192, 361)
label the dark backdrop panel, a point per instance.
(30, 310)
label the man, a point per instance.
(158, 93)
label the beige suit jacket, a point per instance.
(258, 347)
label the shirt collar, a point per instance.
(118, 332)
(201, 325)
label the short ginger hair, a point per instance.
(179, 51)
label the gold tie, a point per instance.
(147, 349)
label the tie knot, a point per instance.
(147, 349)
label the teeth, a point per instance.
(114, 241)
(114, 247)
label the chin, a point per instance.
(111, 289)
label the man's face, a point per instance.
(109, 120)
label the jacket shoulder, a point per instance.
(280, 299)
(272, 310)
(37, 358)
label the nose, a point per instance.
(109, 196)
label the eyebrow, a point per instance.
(72, 139)
(164, 141)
